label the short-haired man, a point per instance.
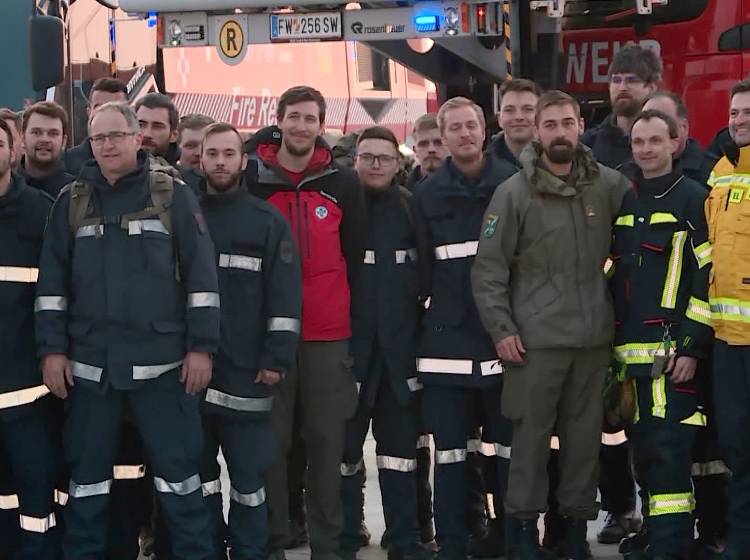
(292, 168)
(159, 119)
(516, 112)
(727, 210)
(14, 121)
(542, 294)
(456, 359)
(261, 293)
(190, 136)
(45, 133)
(428, 149)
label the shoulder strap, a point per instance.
(80, 198)
(161, 189)
(405, 195)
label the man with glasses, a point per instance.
(428, 148)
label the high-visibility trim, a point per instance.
(243, 262)
(61, 498)
(37, 524)
(659, 397)
(669, 504)
(91, 230)
(637, 413)
(153, 371)
(414, 384)
(710, 468)
(613, 440)
(403, 254)
(369, 257)
(640, 352)
(102, 488)
(674, 271)
(182, 488)
(203, 299)
(662, 218)
(729, 309)
(137, 227)
(609, 268)
(473, 445)
(243, 404)
(350, 469)
(699, 311)
(86, 371)
(444, 365)
(696, 419)
(554, 443)
(626, 220)
(423, 441)
(491, 367)
(284, 324)
(386, 462)
(495, 450)
(8, 502)
(20, 274)
(211, 487)
(128, 472)
(703, 254)
(450, 456)
(253, 499)
(22, 396)
(50, 303)
(735, 179)
(456, 250)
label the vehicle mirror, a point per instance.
(46, 46)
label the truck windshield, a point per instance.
(592, 14)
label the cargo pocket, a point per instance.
(159, 254)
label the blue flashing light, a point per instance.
(152, 19)
(427, 23)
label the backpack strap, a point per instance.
(80, 200)
(161, 188)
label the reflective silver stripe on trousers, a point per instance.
(203, 299)
(150, 372)
(85, 371)
(369, 257)
(400, 464)
(22, 396)
(473, 445)
(245, 404)
(21, 274)
(403, 254)
(183, 488)
(50, 303)
(456, 250)
(491, 367)
(37, 524)
(350, 469)
(442, 365)
(61, 498)
(287, 324)
(137, 227)
(501, 450)
(414, 384)
(614, 439)
(253, 499)
(711, 468)
(128, 472)
(423, 441)
(76, 490)
(211, 487)
(90, 230)
(240, 261)
(8, 501)
(448, 456)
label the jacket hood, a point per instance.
(499, 148)
(585, 168)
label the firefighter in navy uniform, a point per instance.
(127, 310)
(661, 261)
(26, 444)
(261, 294)
(456, 358)
(384, 331)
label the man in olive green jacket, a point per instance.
(541, 291)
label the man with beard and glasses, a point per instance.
(541, 291)
(428, 149)
(190, 134)
(45, 132)
(261, 301)
(159, 121)
(291, 167)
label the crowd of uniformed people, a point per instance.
(550, 317)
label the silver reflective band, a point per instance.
(245, 404)
(8, 501)
(442, 365)
(22, 396)
(403, 254)
(491, 367)
(128, 472)
(187, 486)
(203, 299)
(414, 384)
(473, 445)
(396, 463)
(76, 490)
(554, 443)
(37, 524)
(502, 451)
(423, 441)
(61, 498)
(50, 303)
(150, 372)
(711, 468)
(21, 274)
(369, 257)
(250, 500)
(211, 487)
(240, 261)
(90, 231)
(614, 439)
(350, 469)
(448, 456)
(137, 227)
(456, 250)
(288, 324)
(85, 371)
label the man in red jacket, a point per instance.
(292, 168)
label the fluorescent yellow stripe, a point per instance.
(729, 309)
(699, 311)
(674, 271)
(662, 218)
(637, 415)
(659, 395)
(640, 352)
(668, 504)
(703, 254)
(627, 220)
(697, 419)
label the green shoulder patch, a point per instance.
(490, 225)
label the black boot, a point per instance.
(635, 543)
(523, 542)
(576, 545)
(554, 532)
(492, 543)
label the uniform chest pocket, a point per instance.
(158, 249)
(658, 237)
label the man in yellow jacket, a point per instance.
(728, 215)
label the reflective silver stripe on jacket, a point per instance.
(8, 501)
(448, 456)
(20, 274)
(350, 469)
(414, 384)
(128, 472)
(183, 488)
(369, 257)
(211, 487)
(203, 299)
(85, 371)
(76, 490)
(491, 367)
(150, 372)
(443, 365)
(91, 230)
(615, 439)
(403, 254)
(50, 303)
(710, 468)
(240, 261)
(37, 524)
(61, 498)
(22, 396)
(254, 499)
(288, 324)
(423, 441)
(244, 404)
(396, 463)
(456, 250)
(137, 227)
(473, 445)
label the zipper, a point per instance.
(299, 224)
(307, 230)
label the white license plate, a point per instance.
(306, 27)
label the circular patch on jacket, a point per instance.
(321, 212)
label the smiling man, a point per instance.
(517, 109)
